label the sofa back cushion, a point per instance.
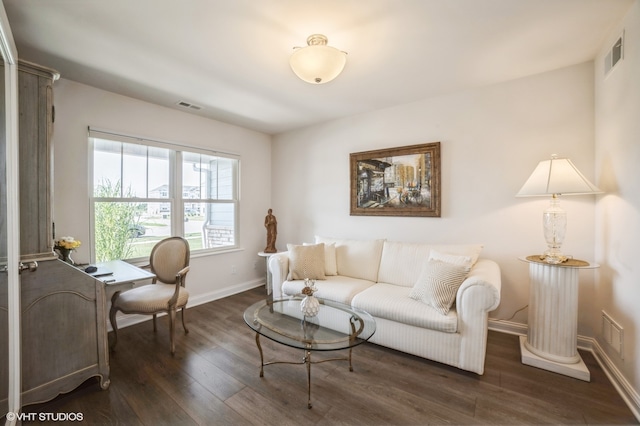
(356, 258)
(401, 263)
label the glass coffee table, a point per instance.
(336, 326)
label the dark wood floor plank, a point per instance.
(259, 410)
(204, 407)
(213, 378)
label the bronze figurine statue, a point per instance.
(271, 224)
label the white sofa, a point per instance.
(379, 277)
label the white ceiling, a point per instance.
(231, 56)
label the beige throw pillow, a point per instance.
(438, 284)
(306, 262)
(330, 266)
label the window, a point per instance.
(144, 191)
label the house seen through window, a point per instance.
(144, 191)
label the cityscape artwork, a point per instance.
(402, 181)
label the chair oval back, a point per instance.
(168, 257)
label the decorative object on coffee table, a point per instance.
(310, 306)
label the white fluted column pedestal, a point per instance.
(552, 336)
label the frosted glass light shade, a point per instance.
(317, 63)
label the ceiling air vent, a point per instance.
(615, 55)
(188, 105)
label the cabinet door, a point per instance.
(64, 331)
(35, 151)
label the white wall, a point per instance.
(617, 135)
(491, 140)
(78, 106)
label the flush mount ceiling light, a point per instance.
(317, 63)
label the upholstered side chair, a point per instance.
(169, 261)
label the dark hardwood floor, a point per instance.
(213, 379)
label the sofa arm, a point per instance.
(483, 284)
(478, 295)
(279, 268)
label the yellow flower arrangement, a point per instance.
(67, 243)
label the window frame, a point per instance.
(175, 198)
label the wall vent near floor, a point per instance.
(615, 55)
(612, 333)
(188, 105)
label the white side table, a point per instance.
(268, 284)
(552, 336)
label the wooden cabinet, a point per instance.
(64, 331)
(35, 99)
(63, 310)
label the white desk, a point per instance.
(552, 335)
(121, 273)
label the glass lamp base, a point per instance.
(553, 258)
(554, 223)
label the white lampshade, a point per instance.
(317, 63)
(557, 176)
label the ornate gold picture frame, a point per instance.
(402, 181)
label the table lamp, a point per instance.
(555, 177)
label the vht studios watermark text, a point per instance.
(45, 417)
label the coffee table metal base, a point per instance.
(305, 360)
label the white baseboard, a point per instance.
(624, 388)
(629, 395)
(503, 326)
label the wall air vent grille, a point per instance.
(615, 55)
(188, 105)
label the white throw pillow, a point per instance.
(330, 264)
(472, 250)
(306, 262)
(438, 284)
(454, 259)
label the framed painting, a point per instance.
(402, 181)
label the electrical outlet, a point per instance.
(234, 270)
(255, 264)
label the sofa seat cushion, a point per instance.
(338, 288)
(392, 302)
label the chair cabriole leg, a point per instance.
(172, 321)
(186, 331)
